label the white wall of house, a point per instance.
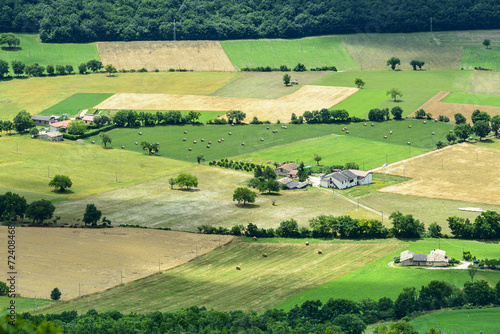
(365, 180)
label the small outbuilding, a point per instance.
(50, 136)
(44, 120)
(285, 169)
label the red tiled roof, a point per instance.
(63, 124)
(359, 173)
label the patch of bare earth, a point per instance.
(306, 98)
(165, 55)
(436, 107)
(90, 260)
(460, 172)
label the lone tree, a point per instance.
(10, 39)
(244, 195)
(40, 210)
(481, 129)
(23, 122)
(358, 82)
(317, 158)
(472, 269)
(286, 79)
(394, 93)
(200, 158)
(186, 180)
(152, 148)
(486, 43)
(55, 294)
(235, 116)
(105, 138)
(91, 215)
(393, 61)
(397, 112)
(110, 69)
(61, 183)
(172, 182)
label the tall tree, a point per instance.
(394, 93)
(77, 127)
(186, 180)
(397, 112)
(40, 210)
(17, 67)
(459, 118)
(61, 183)
(317, 158)
(110, 69)
(91, 215)
(244, 195)
(12, 206)
(393, 61)
(286, 79)
(23, 122)
(406, 226)
(152, 148)
(495, 124)
(4, 68)
(486, 43)
(94, 65)
(200, 158)
(463, 131)
(235, 116)
(105, 138)
(358, 82)
(55, 294)
(481, 129)
(10, 39)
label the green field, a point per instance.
(485, 82)
(32, 50)
(24, 304)
(473, 321)
(480, 99)
(29, 164)
(475, 56)
(371, 51)
(32, 196)
(377, 279)
(213, 282)
(466, 37)
(311, 51)
(360, 103)
(76, 103)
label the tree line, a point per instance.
(312, 316)
(90, 20)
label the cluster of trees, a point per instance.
(264, 180)
(485, 226)
(10, 39)
(132, 118)
(482, 125)
(184, 180)
(193, 20)
(236, 165)
(394, 61)
(380, 115)
(312, 316)
(283, 68)
(321, 116)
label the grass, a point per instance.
(154, 204)
(480, 99)
(32, 196)
(485, 82)
(480, 57)
(371, 51)
(379, 181)
(460, 321)
(377, 279)
(490, 143)
(91, 168)
(260, 85)
(213, 282)
(38, 94)
(74, 104)
(24, 304)
(311, 51)
(466, 37)
(32, 50)
(360, 103)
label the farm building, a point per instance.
(291, 184)
(89, 118)
(284, 170)
(50, 136)
(437, 258)
(346, 179)
(60, 126)
(44, 120)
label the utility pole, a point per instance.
(174, 31)
(48, 171)
(431, 29)
(121, 277)
(159, 269)
(79, 290)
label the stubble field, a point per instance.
(93, 260)
(165, 55)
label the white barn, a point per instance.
(346, 179)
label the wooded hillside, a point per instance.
(127, 20)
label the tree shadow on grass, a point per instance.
(12, 49)
(270, 194)
(66, 191)
(248, 206)
(189, 190)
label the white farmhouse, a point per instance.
(346, 179)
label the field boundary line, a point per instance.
(354, 202)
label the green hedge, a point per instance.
(89, 133)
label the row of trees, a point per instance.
(321, 116)
(312, 316)
(184, 180)
(394, 61)
(485, 226)
(132, 118)
(35, 70)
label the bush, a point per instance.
(4, 289)
(397, 259)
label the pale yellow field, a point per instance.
(306, 98)
(459, 172)
(94, 258)
(164, 55)
(436, 108)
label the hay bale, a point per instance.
(433, 133)
(390, 132)
(136, 143)
(307, 243)
(93, 142)
(238, 268)
(267, 128)
(229, 133)
(365, 124)
(261, 139)
(208, 146)
(242, 144)
(409, 143)
(202, 140)
(218, 140)
(409, 126)
(190, 149)
(222, 139)
(264, 255)
(254, 238)
(209, 143)
(425, 122)
(347, 132)
(385, 137)
(183, 139)
(320, 252)
(373, 124)
(140, 133)
(194, 141)
(451, 131)
(123, 146)
(232, 124)
(185, 132)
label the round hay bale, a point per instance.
(409, 143)
(433, 133)
(307, 243)
(267, 128)
(373, 124)
(385, 137)
(242, 144)
(343, 129)
(185, 132)
(435, 120)
(202, 139)
(232, 124)
(365, 124)
(451, 131)
(286, 127)
(320, 252)
(190, 149)
(264, 255)
(222, 139)
(194, 141)
(390, 132)
(123, 146)
(218, 140)
(425, 122)
(209, 143)
(157, 143)
(136, 143)
(208, 146)
(409, 126)
(93, 142)
(140, 133)
(229, 133)
(254, 238)
(261, 139)
(238, 268)
(183, 139)
(347, 132)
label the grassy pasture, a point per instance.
(38, 161)
(466, 37)
(378, 279)
(371, 51)
(478, 99)
(24, 304)
(153, 203)
(360, 103)
(213, 282)
(32, 50)
(460, 321)
(38, 94)
(480, 57)
(311, 51)
(74, 104)
(485, 82)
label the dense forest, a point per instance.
(128, 20)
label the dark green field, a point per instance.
(76, 103)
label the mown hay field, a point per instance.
(165, 55)
(85, 261)
(31, 50)
(310, 51)
(371, 51)
(213, 281)
(306, 98)
(377, 279)
(458, 172)
(29, 164)
(37, 94)
(481, 57)
(439, 106)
